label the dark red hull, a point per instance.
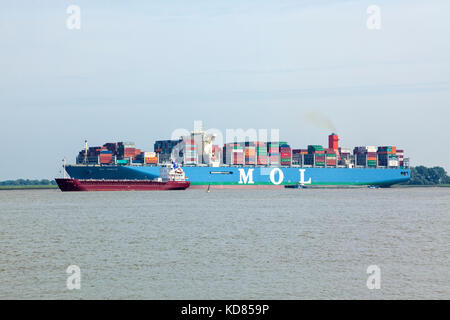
(119, 185)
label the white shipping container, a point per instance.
(364, 149)
(393, 163)
(149, 154)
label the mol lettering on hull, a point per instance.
(246, 178)
(276, 176)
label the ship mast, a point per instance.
(85, 151)
(64, 167)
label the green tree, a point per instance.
(422, 175)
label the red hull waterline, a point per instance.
(119, 185)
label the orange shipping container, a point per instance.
(151, 160)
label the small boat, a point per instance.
(373, 187)
(295, 186)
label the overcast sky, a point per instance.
(137, 70)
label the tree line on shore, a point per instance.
(420, 175)
(424, 176)
(27, 182)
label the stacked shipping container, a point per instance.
(285, 155)
(387, 156)
(147, 158)
(261, 153)
(127, 149)
(331, 157)
(365, 156)
(216, 151)
(344, 156)
(316, 156)
(190, 151)
(164, 148)
(117, 153)
(400, 155)
(273, 152)
(233, 153)
(298, 155)
(250, 153)
(246, 153)
(106, 157)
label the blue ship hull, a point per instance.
(251, 177)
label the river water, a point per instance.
(226, 244)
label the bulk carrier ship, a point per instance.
(248, 164)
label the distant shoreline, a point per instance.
(28, 187)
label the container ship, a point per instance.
(246, 164)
